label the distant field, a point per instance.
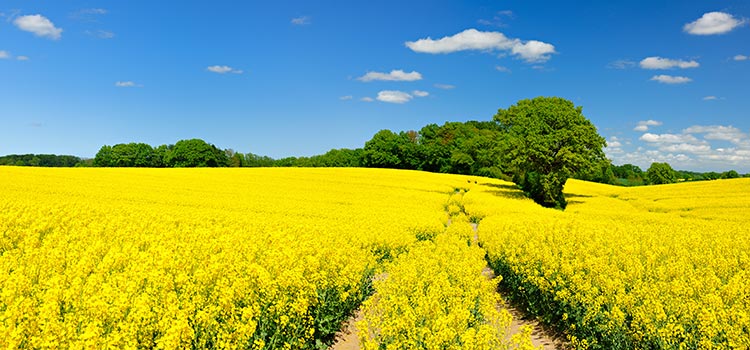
(277, 258)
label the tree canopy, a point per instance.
(660, 173)
(546, 141)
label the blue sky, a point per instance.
(662, 80)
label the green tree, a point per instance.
(547, 140)
(382, 151)
(660, 173)
(731, 174)
(103, 158)
(196, 153)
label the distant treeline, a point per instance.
(470, 148)
(45, 160)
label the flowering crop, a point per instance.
(658, 267)
(221, 258)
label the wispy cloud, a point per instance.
(669, 79)
(444, 86)
(710, 98)
(393, 96)
(394, 75)
(223, 69)
(39, 26)
(502, 69)
(346, 98)
(127, 84)
(656, 62)
(471, 39)
(712, 23)
(621, 64)
(498, 20)
(22, 58)
(740, 58)
(366, 99)
(101, 34)
(301, 21)
(420, 93)
(4, 54)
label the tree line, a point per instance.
(537, 143)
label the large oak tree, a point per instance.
(546, 140)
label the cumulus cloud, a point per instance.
(39, 26)
(696, 148)
(740, 58)
(643, 125)
(127, 84)
(394, 96)
(4, 54)
(719, 132)
(445, 86)
(223, 69)
(670, 79)
(420, 93)
(472, 39)
(394, 75)
(621, 64)
(656, 62)
(712, 23)
(300, 21)
(668, 138)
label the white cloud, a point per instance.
(420, 93)
(643, 125)
(4, 54)
(39, 25)
(534, 51)
(669, 138)
(656, 62)
(346, 98)
(710, 98)
(127, 84)
(740, 58)
(669, 79)
(719, 132)
(621, 64)
(502, 69)
(686, 148)
(472, 39)
(394, 75)
(223, 70)
(22, 58)
(393, 96)
(445, 86)
(713, 23)
(366, 99)
(303, 20)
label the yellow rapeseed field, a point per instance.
(277, 258)
(657, 267)
(237, 258)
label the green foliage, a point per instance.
(196, 153)
(660, 173)
(546, 141)
(45, 160)
(731, 174)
